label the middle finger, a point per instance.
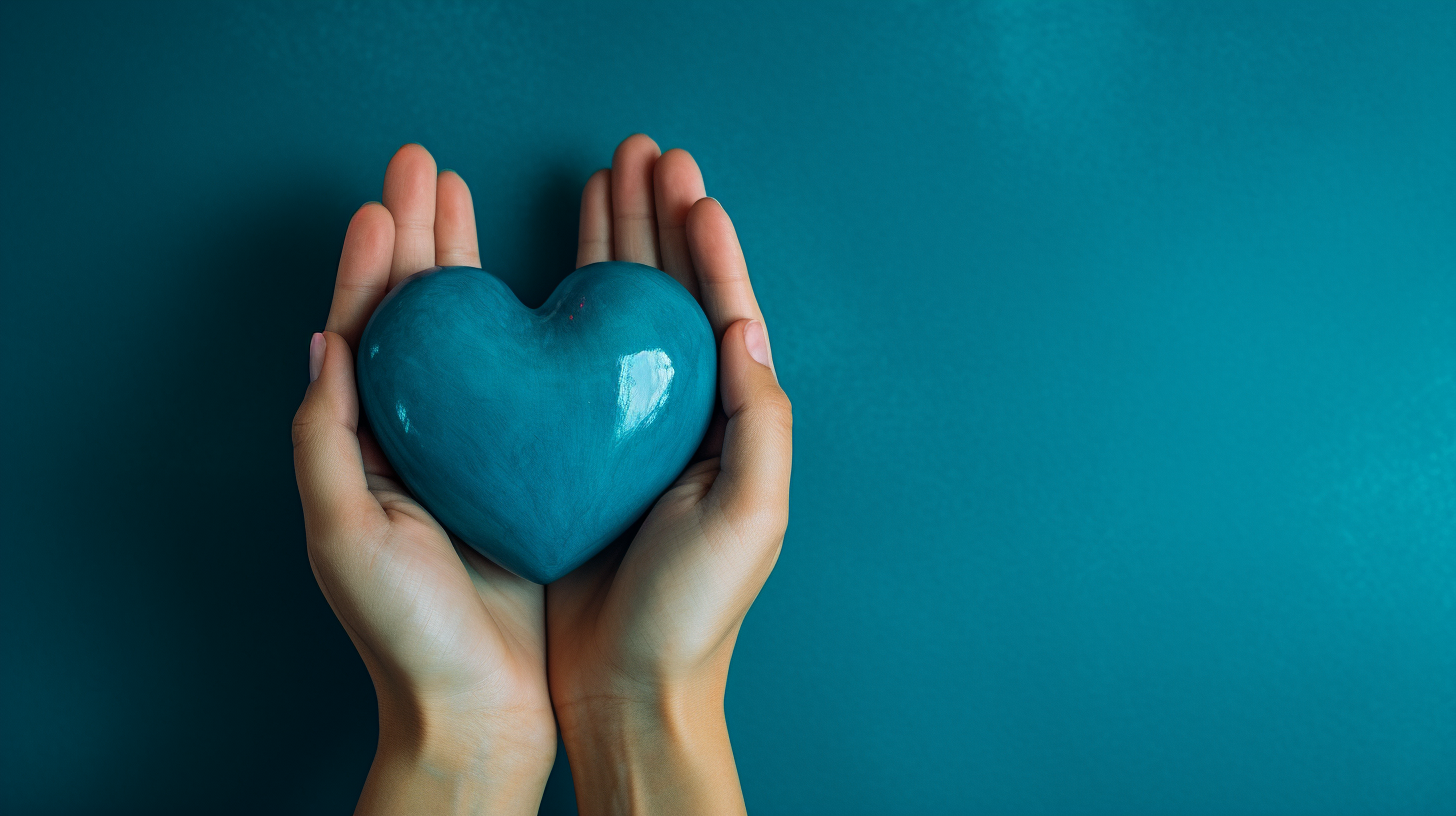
(409, 194)
(455, 242)
(634, 215)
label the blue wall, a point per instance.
(1121, 338)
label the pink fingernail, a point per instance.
(757, 342)
(316, 348)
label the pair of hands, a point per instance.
(475, 667)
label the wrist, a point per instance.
(433, 759)
(666, 750)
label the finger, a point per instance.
(455, 243)
(594, 236)
(723, 286)
(634, 222)
(363, 271)
(677, 184)
(409, 193)
(326, 455)
(752, 487)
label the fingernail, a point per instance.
(316, 355)
(757, 342)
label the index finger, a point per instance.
(723, 285)
(363, 271)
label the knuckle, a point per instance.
(304, 427)
(415, 223)
(761, 518)
(774, 409)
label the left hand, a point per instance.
(641, 635)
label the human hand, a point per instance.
(640, 636)
(454, 644)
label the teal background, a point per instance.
(1121, 338)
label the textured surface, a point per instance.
(1121, 338)
(538, 436)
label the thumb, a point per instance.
(326, 456)
(752, 487)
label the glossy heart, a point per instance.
(537, 436)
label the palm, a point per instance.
(452, 620)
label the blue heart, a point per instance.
(538, 436)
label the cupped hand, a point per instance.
(640, 636)
(455, 644)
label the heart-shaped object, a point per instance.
(537, 436)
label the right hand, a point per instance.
(455, 644)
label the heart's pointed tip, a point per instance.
(540, 576)
(550, 573)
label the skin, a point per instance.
(639, 638)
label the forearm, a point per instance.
(667, 756)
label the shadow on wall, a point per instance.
(211, 628)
